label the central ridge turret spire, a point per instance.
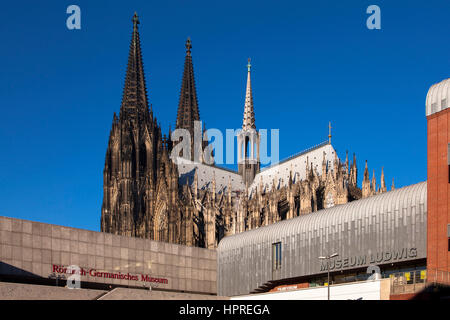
(249, 114)
(248, 138)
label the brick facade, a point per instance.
(438, 256)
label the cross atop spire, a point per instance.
(135, 20)
(188, 46)
(249, 113)
(134, 99)
(329, 132)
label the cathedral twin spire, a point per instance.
(134, 100)
(188, 111)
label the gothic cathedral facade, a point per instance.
(146, 194)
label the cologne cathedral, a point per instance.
(146, 194)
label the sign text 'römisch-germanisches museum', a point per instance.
(58, 269)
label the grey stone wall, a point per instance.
(31, 249)
(22, 291)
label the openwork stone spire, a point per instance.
(188, 111)
(248, 139)
(249, 114)
(134, 100)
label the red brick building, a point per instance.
(438, 181)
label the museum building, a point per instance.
(39, 253)
(387, 230)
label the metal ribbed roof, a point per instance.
(391, 201)
(438, 97)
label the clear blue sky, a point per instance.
(313, 61)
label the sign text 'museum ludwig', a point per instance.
(58, 269)
(372, 258)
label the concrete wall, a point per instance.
(140, 294)
(20, 291)
(385, 288)
(31, 249)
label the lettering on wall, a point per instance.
(362, 260)
(59, 269)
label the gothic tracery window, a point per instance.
(330, 200)
(162, 226)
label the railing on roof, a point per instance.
(317, 146)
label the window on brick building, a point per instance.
(448, 161)
(448, 235)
